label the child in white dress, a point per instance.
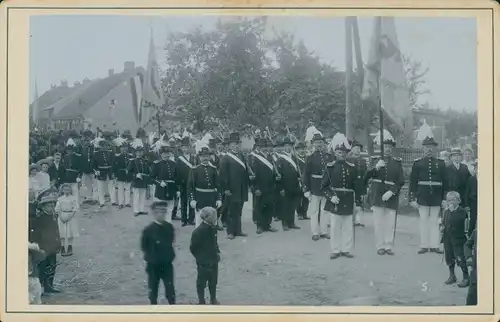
(66, 208)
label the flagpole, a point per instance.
(380, 112)
(348, 79)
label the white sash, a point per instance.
(287, 158)
(263, 160)
(235, 158)
(183, 159)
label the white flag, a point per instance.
(385, 61)
(152, 92)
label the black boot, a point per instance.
(49, 286)
(465, 281)
(452, 279)
(70, 250)
(201, 295)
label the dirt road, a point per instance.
(283, 268)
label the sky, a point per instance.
(73, 47)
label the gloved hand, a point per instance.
(218, 204)
(257, 192)
(386, 196)
(138, 176)
(193, 204)
(307, 194)
(282, 193)
(78, 180)
(97, 173)
(163, 184)
(414, 204)
(380, 164)
(335, 200)
(227, 193)
(178, 194)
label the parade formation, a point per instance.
(324, 181)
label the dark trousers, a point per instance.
(47, 270)
(288, 205)
(277, 205)
(472, 293)
(234, 217)
(263, 207)
(473, 220)
(207, 274)
(222, 211)
(187, 213)
(176, 205)
(454, 253)
(302, 207)
(165, 272)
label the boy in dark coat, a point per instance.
(157, 245)
(206, 251)
(454, 238)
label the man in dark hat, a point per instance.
(44, 231)
(139, 170)
(184, 167)
(300, 157)
(72, 167)
(387, 179)
(202, 185)
(234, 181)
(458, 175)
(288, 186)
(166, 178)
(355, 158)
(123, 177)
(90, 193)
(263, 186)
(312, 175)
(338, 185)
(102, 165)
(428, 184)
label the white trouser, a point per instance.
(89, 187)
(429, 226)
(95, 188)
(341, 233)
(170, 207)
(112, 191)
(76, 193)
(383, 221)
(319, 224)
(139, 199)
(152, 190)
(123, 192)
(102, 187)
(357, 214)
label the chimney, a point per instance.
(111, 72)
(128, 66)
(64, 83)
(77, 83)
(85, 80)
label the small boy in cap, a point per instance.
(157, 245)
(206, 251)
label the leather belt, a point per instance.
(205, 190)
(430, 183)
(72, 170)
(317, 176)
(343, 189)
(388, 182)
(104, 167)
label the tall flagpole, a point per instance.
(349, 118)
(379, 90)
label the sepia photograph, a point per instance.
(253, 160)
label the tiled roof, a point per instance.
(80, 103)
(52, 96)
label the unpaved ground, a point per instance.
(284, 268)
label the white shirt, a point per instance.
(43, 179)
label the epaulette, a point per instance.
(352, 165)
(117, 154)
(156, 161)
(418, 159)
(397, 159)
(330, 164)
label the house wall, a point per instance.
(121, 118)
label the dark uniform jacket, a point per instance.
(120, 167)
(56, 174)
(103, 162)
(234, 177)
(184, 166)
(454, 225)
(72, 167)
(136, 166)
(44, 230)
(165, 171)
(157, 243)
(202, 186)
(339, 180)
(471, 245)
(265, 174)
(290, 179)
(204, 245)
(86, 160)
(471, 194)
(388, 178)
(313, 172)
(361, 169)
(428, 182)
(457, 179)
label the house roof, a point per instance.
(78, 104)
(52, 96)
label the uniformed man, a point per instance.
(222, 211)
(471, 199)
(102, 164)
(56, 171)
(313, 173)
(184, 166)
(202, 185)
(123, 177)
(234, 181)
(172, 142)
(72, 168)
(387, 179)
(89, 187)
(289, 185)
(338, 184)
(428, 184)
(300, 157)
(361, 168)
(166, 178)
(458, 175)
(263, 186)
(140, 172)
(276, 149)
